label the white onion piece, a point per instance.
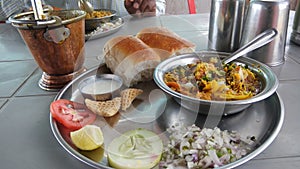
(192, 147)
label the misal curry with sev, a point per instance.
(98, 14)
(206, 80)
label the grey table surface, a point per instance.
(26, 140)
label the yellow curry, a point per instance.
(98, 14)
(205, 80)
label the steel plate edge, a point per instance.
(59, 137)
(278, 125)
(265, 145)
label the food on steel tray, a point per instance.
(98, 14)
(206, 80)
(104, 108)
(135, 57)
(70, 114)
(135, 149)
(109, 108)
(101, 86)
(192, 147)
(130, 58)
(128, 95)
(165, 42)
(89, 137)
(106, 26)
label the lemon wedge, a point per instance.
(89, 137)
(135, 149)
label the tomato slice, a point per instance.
(71, 114)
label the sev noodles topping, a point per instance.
(206, 80)
(98, 14)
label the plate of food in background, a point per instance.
(102, 22)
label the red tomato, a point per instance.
(71, 114)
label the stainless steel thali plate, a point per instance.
(154, 110)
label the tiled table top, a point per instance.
(27, 141)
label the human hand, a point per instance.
(141, 7)
(148, 7)
(133, 6)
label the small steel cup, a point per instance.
(263, 15)
(225, 24)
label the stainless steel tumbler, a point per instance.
(295, 36)
(263, 15)
(225, 24)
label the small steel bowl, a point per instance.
(268, 80)
(92, 23)
(101, 87)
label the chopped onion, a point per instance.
(192, 147)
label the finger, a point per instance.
(130, 8)
(139, 1)
(138, 12)
(128, 3)
(149, 12)
(152, 4)
(136, 5)
(144, 5)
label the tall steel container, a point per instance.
(225, 24)
(295, 36)
(263, 15)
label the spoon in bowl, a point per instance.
(259, 41)
(216, 110)
(86, 6)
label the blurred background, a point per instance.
(176, 7)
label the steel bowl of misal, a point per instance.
(98, 18)
(201, 83)
(101, 87)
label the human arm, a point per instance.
(145, 7)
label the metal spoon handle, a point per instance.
(86, 6)
(260, 40)
(38, 10)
